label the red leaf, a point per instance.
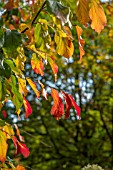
(58, 108)
(20, 147)
(4, 113)
(69, 103)
(28, 108)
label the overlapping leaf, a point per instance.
(20, 147)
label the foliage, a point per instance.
(39, 33)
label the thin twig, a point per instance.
(35, 16)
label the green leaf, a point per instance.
(2, 122)
(12, 39)
(12, 66)
(60, 11)
(17, 97)
(1, 37)
(39, 39)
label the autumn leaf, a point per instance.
(69, 103)
(33, 86)
(53, 65)
(8, 131)
(22, 86)
(18, 133)
(58, 107)
(20, 147)
(82, 11)
(44, 93)
(97, 16)
(28, 108)
(37, 64)
(3, 147)
(4, 113)
(64, 43)
(20, 167)
(81, 42)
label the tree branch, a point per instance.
(35, 16)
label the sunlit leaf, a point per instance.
(3, 147)
(28, 108)
(9, 131)
(37, 64)
(97, 16)
(22, 86)
(82, 11)
(81, 42)
(33, 86)
(53, 65)
(60, 11)
(20, 167)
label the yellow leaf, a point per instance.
(64, 44)
(3, 147)
(22, 86)
(82, 11)
(33, 86)
(97, 16)
(8, 131)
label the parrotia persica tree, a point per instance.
(42, 29)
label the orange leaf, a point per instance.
(37, 65)
(53, 66)
(82, 11)
(97, 16)
(69, 103)
(80, 41)
(3, 147)
(33, 86)
(19, 167)
(28, 108)
(58, 108)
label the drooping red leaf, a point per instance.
(20, 147)
(4, 113)
(69, 103)
(28, 108)
(58, 108)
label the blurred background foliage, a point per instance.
(71, 144)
